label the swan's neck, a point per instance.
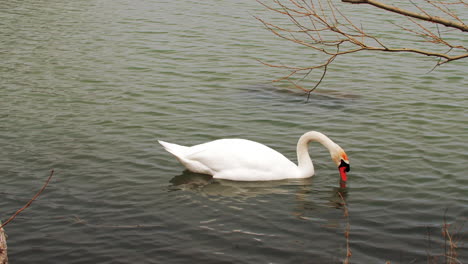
(304, 162)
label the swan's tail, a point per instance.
(174, 149)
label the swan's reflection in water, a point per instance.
(305, 198)
(205, 184)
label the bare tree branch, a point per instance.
(321, 26)
(435, 19)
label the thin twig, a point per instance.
(77, 220)
(318, 83)
(30, 201)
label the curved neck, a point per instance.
(304, 162)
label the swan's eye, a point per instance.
(345, 165)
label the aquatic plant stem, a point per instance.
(346, 215)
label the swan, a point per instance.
(246, 160)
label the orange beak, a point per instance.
(343, 174)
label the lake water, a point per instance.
(88, 87)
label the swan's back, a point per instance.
(234, 159)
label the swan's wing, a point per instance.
(235, 158)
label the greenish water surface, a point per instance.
(88, 87)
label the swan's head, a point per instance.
(341, 160)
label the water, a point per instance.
(87, 87)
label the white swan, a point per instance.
(245, 160)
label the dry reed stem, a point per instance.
(30, 201)
(3, 247)
(451, 241)
(452, 235)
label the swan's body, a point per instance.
(245, 160)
